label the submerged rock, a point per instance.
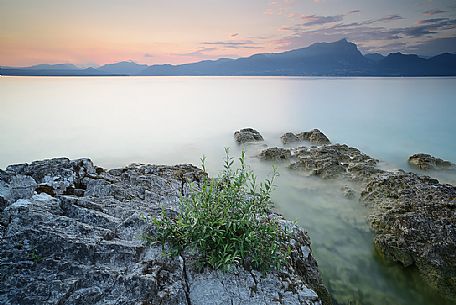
(275, 153)
(427, 162)
(79, 241)
(314, 136)
(247, 135)
(414, 221)
(348, 192)
(335, 160)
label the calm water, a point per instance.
(116, 121)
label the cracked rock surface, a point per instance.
(414, 220)
(71, 234)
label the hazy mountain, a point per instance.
(124, 67)
(337, 58)
(376, 57)
(53, 72)
(53, 67)
(340, 58)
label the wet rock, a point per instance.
(247, 135)
(314, 136)
(336, 160)
(427, 162)
(289, 137)
(275, 153)
(414, 221)
(88, 249)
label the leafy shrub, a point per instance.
(226, 221)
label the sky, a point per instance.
(96, 32)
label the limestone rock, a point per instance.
(335, 160)
(247, 135)
(427, 162)
(314, 136)
(275, 153)
(72, 234)
(289, 137)
(414, 221)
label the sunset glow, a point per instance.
(90, 33)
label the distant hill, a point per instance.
(54, 72)
(340, 58)
(376, 57)
(124, 67)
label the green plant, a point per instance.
(226, 221)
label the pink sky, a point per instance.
(104, 31)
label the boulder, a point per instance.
(414, 221)
(275, 153)
(59, 247)
(427, 162)
(314, 136)
(335, 160)
(289, 137)
(247, 135)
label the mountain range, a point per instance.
(340, 58)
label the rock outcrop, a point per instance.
(413, 217)
(414, 221)
(289, 137)
(72, 234)
(314, 136)
(427, 162)
(335, 160)
(247, 135)
(275, 153)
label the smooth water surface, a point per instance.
(120, 120)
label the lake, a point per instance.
(119, 120)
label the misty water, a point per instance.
(169, 120)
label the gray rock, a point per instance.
(336, 160)
(289, 137)
(21, 187)
(60, 248)
(314, 136)
(247, 135)
(414, 221)
(427, 162)
(275, 153)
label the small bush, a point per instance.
(227, 221)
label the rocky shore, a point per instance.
(413, 217)
(71, 233)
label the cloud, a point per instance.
(388, 18)
(435, 46)
(432, 27)
(433, 12)
(319, 20)
(370, 35)
(233, 44)
(432, 20)
(201, 52)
